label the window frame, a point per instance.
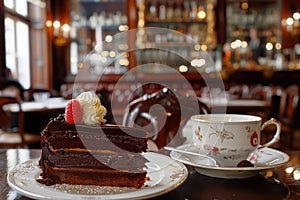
(16, 17)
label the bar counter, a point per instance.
(280, 183)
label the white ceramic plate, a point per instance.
(263, 159)
(165, 175)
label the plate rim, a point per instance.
(32, 194)
(220, 168)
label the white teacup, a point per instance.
(41, 96)
(230, 138)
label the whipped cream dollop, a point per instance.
(93, 110)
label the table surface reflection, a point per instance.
(280, 183)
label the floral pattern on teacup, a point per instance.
(223, 134)
(254, 139)
(211, 149)
(233, 157)
(248, 129)
(198, 134)
(216, 150)
(232, 154)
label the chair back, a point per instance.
(289, 103)
(11, 91)
(289, 114)
(276, 99)
(6, 117)
(163, 114)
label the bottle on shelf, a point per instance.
(186, 10)
(152, 10)
(193, 11)
(178, 9)
(170, 11)
(162, 10)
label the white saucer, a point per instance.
(263, 159)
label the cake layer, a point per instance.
(83, 176)
(60, 135)
(103, 155)
(134, 163)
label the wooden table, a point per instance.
(51, 104)
(38, 114)
(280, 183)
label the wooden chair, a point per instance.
(15, 138)
(277, 93)
(264, 93)
(163, 114)
(288, 114)
(11, 91)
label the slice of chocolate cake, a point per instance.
(92, 154)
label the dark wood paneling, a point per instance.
(59, 10)
(288, 8)
(220, 11)
(2, 41)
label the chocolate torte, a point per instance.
(80, 152)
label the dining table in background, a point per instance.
(38, 113)
(49, 105)
(278, 183)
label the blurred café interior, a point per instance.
(60, 48)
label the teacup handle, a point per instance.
(276, 137)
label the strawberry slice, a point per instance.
(73, 112)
